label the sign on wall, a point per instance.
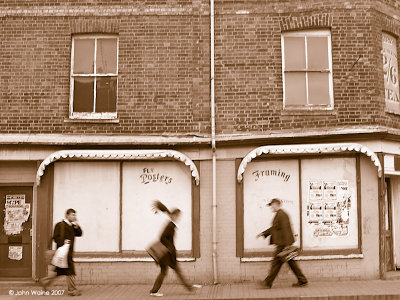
(390, 72)
(262, 181)
(143, 182)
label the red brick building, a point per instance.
(214, 107)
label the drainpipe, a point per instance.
(213, 147)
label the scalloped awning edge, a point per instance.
(310, 148)
(117, 155)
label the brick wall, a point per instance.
(164, 66)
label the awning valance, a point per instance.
(307, 149)
(117, 155)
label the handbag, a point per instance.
(157, 251)
(288, 253)
(49, 253)
(60, 258)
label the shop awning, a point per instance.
(307, 149)
(117, 155)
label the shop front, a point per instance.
(113, 193)
(330, 192)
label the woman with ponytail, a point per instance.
(167, 239)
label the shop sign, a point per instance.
(390, 68)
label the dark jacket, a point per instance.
(280, 231)
(63, 232)
(167, 239)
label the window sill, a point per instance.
(308, 112)
(306, 257)
(91, 120)
(125, 259)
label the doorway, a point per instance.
(394, 195)
(16, 231)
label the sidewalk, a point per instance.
(338, 290)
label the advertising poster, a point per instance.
(16, 213)
(328, 208)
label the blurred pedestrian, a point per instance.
(281, 236)
(65, 232)
(168, 260)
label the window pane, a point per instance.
(295, 89)
(329, 203)
(106, 61)
(83, 56)
(106, 94)
(295, 57)
(318, 88)
(317, 53)
(83, 94)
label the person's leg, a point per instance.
(301, 279)
(160, 278)
(275, 267)
(46, 281)
(72, 290)
(181, 278)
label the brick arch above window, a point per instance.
(288, 23)
(94, 26)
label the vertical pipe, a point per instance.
(213, 147)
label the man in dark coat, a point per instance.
(65, 232)
(281, 236)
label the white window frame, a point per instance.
(305, 34)
(92, 115)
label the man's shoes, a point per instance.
(263, 285)
(299, 284)
(43, 284)
(156, 294)
(74, 293)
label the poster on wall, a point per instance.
(390, 72)
(16, 213)
(328, 208)
(15, 252)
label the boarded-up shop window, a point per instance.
(92, 189)
(307, 70)
(143, 182)
(329, 203)
(94, 73)
(390, 73)
(264, 180)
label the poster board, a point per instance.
(262, 181)
(143, 182)
(329, 206)
(92, 189)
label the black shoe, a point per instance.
(263, 285)
(299, 284)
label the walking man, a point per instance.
(281, 236)
(65, 232)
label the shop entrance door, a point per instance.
(16, 231)
(388, 226)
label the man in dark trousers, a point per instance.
(281, 236)
(65, 232)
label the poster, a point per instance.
(16, 213)
(328, 208)
(15, 252)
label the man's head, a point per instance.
(275, 204)
(70, 215)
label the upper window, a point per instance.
(307, 70)
(94, 75)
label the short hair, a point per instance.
(70, 211)
(275, 200)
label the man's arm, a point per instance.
(77, 229)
